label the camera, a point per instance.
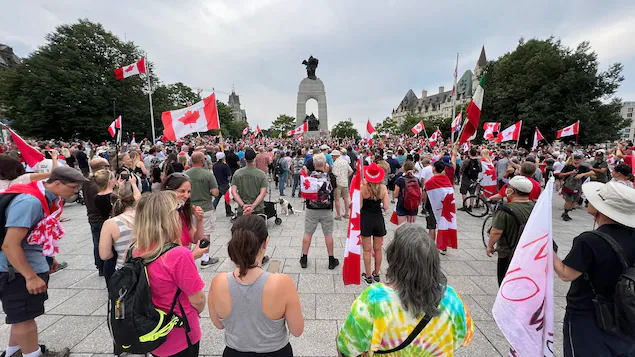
(204, 243)
(123, 174)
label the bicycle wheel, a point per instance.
(487, 225)
(478, 206)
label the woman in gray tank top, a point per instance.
(116, 232)
(254, 308)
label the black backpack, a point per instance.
(617, 316)
(135, 324)
(5, 201)
(473, 169)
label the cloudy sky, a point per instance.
(371, 52)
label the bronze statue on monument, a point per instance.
(311, 64)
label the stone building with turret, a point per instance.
(238, 114)
(8, 60)
(439, 105)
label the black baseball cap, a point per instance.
(250, 155)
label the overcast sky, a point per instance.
(371, 52)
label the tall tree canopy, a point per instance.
(345, 129)
(548, 85)
(67, 87)
(282, 124)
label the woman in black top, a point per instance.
(593, 267)
(171, 165)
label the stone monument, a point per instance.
(312, 87)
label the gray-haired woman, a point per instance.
(415, 293)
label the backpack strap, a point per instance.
(513, 213)
(420, 326)
(617, 248)
(164, 250)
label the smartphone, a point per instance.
(204, 243)
(125, 176)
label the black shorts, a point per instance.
(465, 186)
(372, 225)
(17, 303)
(431, 221)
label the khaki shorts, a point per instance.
(340, 192)
(209, 221)
(315, 216)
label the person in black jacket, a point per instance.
(223, 175)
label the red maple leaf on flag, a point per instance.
(490, 171)
(448, 207)
(189, 118)
(307, 184)
(130, 68)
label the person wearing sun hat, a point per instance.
(594, 268)
(374, 198)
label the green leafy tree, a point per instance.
(345, 129)
(282, 124)
(388, 126)
(67, 87)
(548, 85)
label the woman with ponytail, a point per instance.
(254, 308)
(116, 232)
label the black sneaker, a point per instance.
(368, 280)
(565, 217)
(376, 278)
(303, 261)
(333, 263)
(265, 260)
(17, 353)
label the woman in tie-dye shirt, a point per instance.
(383, 316)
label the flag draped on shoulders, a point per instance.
(524, 305)
(440, 192)
(201, 116)
(488, 178)
(352, 251)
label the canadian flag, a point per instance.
(299, 130)
(456, 123)
(228, 196)
(488, 178)
(537, 137)
(131, 70)
(246, 130)
(352, 252)
(572, 129)
(418, 128)
(300, 138)
(369, 128)
(524, 305)
(441, 195)
(30, 155)
(116, 124)
(435, 137)
(465, 147)
(201, 116)
(490, 129)
(309, 186)
(258, 131)
(511, 133)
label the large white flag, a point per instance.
(523, 308)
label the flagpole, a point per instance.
(150, 100)
(454, 98)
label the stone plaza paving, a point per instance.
(76, 309)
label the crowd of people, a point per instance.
(158, 201)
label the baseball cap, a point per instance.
(324, 147)
(67, 174)
(250, 154)
(220, 155)
(521, 183)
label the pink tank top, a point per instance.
(186, 238)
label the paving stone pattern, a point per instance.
(76, 308)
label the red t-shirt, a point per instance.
(630, 160)
(175, 269)
(533, 195)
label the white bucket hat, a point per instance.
(614, 200)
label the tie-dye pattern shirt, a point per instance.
(378, 321)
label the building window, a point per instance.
(630, 110)
(629, 115)
(627, 130)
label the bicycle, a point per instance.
(481, 206)
(487, 223)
